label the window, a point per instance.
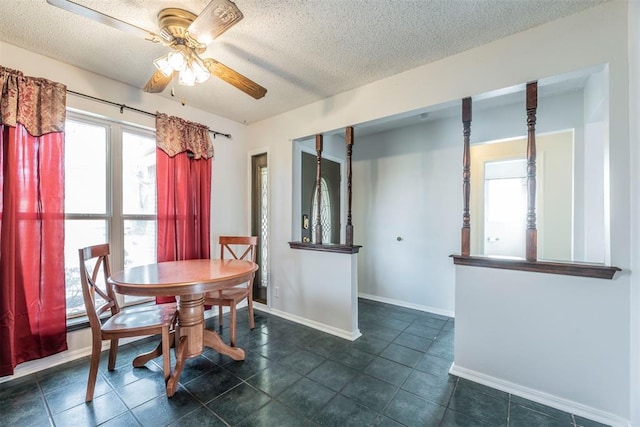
(109, 197)
(264, 226)
(325, 211)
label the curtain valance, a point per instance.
(36, 103)
(175, 135)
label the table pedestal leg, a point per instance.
(191, 337)
(213, 340)
(181, 350)
(143, 358)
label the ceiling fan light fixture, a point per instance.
(163, 65)
(177, 61)
(200, 71)
(187, 77)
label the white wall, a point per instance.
(634, 160)
(545, 337)
(325, 303)
(228, 204)
(596, 36)
(406, 183)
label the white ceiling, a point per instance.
(300, 50)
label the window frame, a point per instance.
(114, 216)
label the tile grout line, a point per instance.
(44, 400)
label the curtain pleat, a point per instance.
(32, 276)
(33, 302)
(183, 176)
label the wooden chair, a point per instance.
(150, 320)
(231, 297)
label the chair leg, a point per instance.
(232, 324)
(113, 354)
(220, 321)
(252, 323)
(166, 355)
(96, 348)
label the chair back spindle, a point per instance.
(227, 243)
(91, 280)
(231, 246)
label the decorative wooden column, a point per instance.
(318, 230)
(466, 178)
(349, 228)
(532, 232)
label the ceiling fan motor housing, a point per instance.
(173, 23)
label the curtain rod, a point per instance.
(126, 107)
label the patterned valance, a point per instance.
(37, 104)
(175, 135)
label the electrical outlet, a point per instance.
(276, 291)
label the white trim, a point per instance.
(33, 366)
(541, 397)
(351, 336)
(250, 155)
(434, 310)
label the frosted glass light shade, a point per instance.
(187, 77)
(200, 71)
(163, 65)
(177, 61)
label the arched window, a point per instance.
(325, 211)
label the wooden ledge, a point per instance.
(327, 247)
(598, 271)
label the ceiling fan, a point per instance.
(188, 36)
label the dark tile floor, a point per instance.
(396, 374)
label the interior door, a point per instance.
(260, 223)
(505, 209)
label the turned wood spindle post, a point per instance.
(318, 228)
(349, 229)
(532, 232)
(466, 178)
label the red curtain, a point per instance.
(32, 291)
(183, 175)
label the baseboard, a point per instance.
(351, 336)
(405, 304)
(33, 366)
(541, 397)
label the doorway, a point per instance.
(505, 208)
(330, 199)
(260, 223)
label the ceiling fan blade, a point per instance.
(94, 15)
(236, 79)
(215, 19)
(158, 82)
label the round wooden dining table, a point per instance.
(188, 280)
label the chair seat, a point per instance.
(141, 318)
(228, 294)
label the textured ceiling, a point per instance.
(300, 50)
